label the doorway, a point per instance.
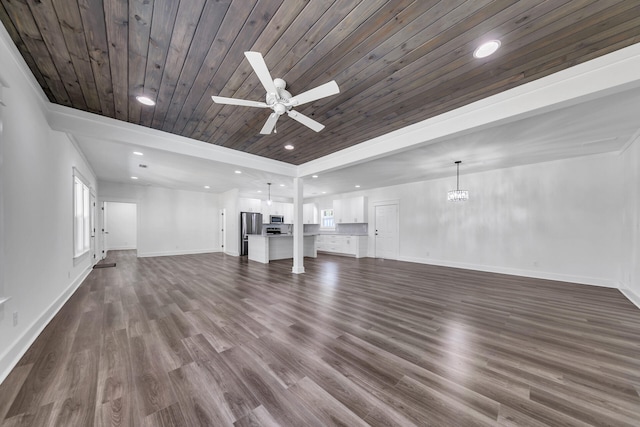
(120, 222)
(92, 227)
(223, 232)
(386, 230)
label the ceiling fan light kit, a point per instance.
(278, 98)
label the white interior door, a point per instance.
(223, 230)
(93, 227)
(122, 226)
(386, 231)
(105, 233)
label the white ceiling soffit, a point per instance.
(116, 162)
(612, 73)
(92, 126)
(599, 126)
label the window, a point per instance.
(81, 216)
(326, 218)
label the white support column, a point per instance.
(298, 227)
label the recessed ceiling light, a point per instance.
(238, 172)
(324, 192)
(145, 100)
(486, 49)
(207, 187)
(289, 147)
(134, 177)
(281, 185)
(137, 153)
(357, 186)
(259, 191)
(314, 176)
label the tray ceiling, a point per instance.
(396, 62)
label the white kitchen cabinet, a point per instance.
(278, 208)
(268, 210)
(339, 210)
(249, 205)
(355, 246)
(359, 209)
(287, 211)
(350, 211)
(310, 213)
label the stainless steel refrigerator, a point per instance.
(250, 223)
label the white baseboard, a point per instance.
(582, 280)
(631, 296)
(121, 248)
(173, 253)
(10, 358)
(232, 253)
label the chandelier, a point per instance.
(458, 195)
(269, 199)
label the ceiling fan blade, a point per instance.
(270, 124)
(321, 91)
(235, 101)
(307, 121)
(260, 68)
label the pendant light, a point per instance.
(458, 195)
(269, 199)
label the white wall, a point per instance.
(170, 222)
(39, 271)
(630, 269)
(121, 224)
(3, 295)
(558, 220)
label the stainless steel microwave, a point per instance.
(276, 219)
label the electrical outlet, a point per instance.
(15, 318)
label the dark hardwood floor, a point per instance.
(217, 340)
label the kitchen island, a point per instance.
(264, 248)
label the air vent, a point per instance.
(142, 166)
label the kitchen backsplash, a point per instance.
(352, 229)
(346, 229)
(311, 228)
(284, 228)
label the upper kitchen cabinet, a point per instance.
(350, 211)
(278, 208)
(310, 213)
(287, 211)
(250, 205)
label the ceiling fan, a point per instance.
(278, 99)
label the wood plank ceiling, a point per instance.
(396, 62)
